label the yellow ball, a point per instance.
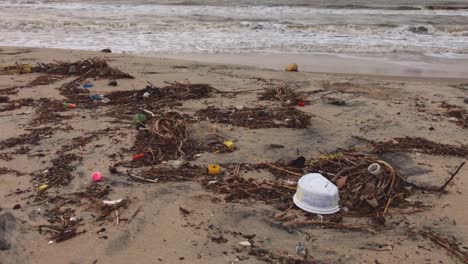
(293, 67)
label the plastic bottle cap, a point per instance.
(214, 169)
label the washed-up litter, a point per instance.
(138, 156)
(316, 194)
(229, 144)
(18, 68)
(292, 67)
(375, 169)
(69, 105)
(97, 177)
(112, 202)
(214, 169)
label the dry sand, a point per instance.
(378, 109)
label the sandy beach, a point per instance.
(172, 211)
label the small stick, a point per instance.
(281, 169)
(140, 178)
(453, 176)
(117, 216)
(134, 214)
(148, 112)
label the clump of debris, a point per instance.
(256, 117)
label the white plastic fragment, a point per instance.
(112, 202)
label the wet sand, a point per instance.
(409, 65)
(377, 108)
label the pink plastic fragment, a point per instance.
(97, 176)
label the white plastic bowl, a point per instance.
(316, 194)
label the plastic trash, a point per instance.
(139, 118)
(72, 69)
(316, 194)
(138, 156)
(177, 164)
(96, 97)
(214, 169)
(245, 243)
(97, 177)
(375, 169)
(69, 106)
(292, 67)
(146, 95)
(88, 85)
(301, 104)
(229, 144)
(43, 187)
(112, 202)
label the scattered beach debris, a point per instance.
(449, 244)
(286, 95)
(457, 113)
(89, 68)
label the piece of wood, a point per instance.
(442, 188)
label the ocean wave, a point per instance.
(146, 28)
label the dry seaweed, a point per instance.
(32, 138)
(62, 226)
(284, 94)
(9, 91)
(161, 96)
(457, 112)
(60, 173)
(450, 245)
(168, 174)
(421, 145)
(48, 111)
(15, 104)
(257, 117)
(89, 68)
(279, 257)
(45, 80)
(4, 170)
(167, 138)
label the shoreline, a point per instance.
(434, 69)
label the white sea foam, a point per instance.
(155, 28)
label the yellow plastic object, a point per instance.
(229, 144)
(23, 68)
(336, 156)
(214, 169)
(26, 68)
(43, 187)
(293, 67)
